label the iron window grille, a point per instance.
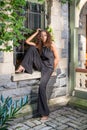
(35, 18)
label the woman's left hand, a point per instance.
(38, 30)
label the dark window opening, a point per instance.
(35, 18)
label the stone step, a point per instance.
(80, 93)
(78, 102)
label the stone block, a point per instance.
(20, 126)
(1, 57)
(64, 7)
(65, 26)
(63, 63)
(8, 57)
(58, 39)
(65, 10)
(66, 42)
(25, 83)
(7, 68)
(58, 92)
(16, 92)
(5, 82)
(51, 124)
(64, 34)
(64, 53)
(29, 123)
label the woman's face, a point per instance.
(43, 36)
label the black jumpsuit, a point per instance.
(42, 62)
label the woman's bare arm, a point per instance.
(56, 57)
(29, 40)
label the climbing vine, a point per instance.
(12, 20)
(11, 23)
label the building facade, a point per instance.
(68, 23)
(78, 45)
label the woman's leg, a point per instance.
(43, 109)
(31, 58)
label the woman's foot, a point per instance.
(20, 69)
(44, 118)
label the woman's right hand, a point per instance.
(29, 40)
(38, 30)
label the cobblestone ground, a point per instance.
(65, 118)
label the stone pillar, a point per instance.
(6, 63)
(72, 50)
(59, 23)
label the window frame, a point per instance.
(20, 51)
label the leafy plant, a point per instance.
(12, 19)
(9, 108)
(11, 23)
(50, 30)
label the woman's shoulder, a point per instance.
(53, 45)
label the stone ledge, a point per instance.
(26, 76)
(81, 89)
(78, 102)
(80, 93)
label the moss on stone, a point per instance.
(78, 102)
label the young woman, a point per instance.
(42, 55)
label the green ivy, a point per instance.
(11, 23)
(12, 19)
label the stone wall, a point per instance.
(59, 23)
(1, 57)
(58, 85)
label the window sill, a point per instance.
(26, 76)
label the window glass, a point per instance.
(35, 18)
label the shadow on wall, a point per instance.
(51, 84)
(33, 102)
(55, 82)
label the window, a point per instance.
(35, 15)
(35, 18)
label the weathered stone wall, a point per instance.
(1, 57)
(6, 63)
(59, 23)
(57, 85)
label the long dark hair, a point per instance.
(39, 42)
